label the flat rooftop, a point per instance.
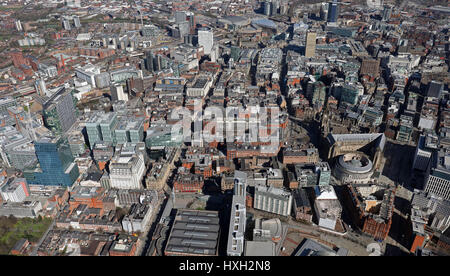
(194, 233)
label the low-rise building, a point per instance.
(137, 218)
(194, 233)
(273, 200)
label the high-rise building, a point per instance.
(60, 111)
(76, 21)
(386, 14)
(180, 16)
(333, 11)
(423, 154)
(15, 190)
(148, 61)
(316, 93)
(206, 39)
(190, 39)
(5, 103)
(268, 8)
(18, 26)
(236, 231)
(310, 49)
(56, 166)
(17, 150)
(184, 29)
(100, 128)
(235, 53)
(437, 181)
(127, 172)
(324, 11)
(66, 25)
(129, 129)
(118, 93)
(192, 21)
(273, 200)
(324, 173)
(40, 87)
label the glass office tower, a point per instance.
(56, 166)
(333, 11)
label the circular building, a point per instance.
(355, 167)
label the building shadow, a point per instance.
(401, 230)
(392, 250)
(402, 205)
(399, 160)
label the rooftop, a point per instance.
(194, 232)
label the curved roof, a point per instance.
(355, 162)
(265, 23)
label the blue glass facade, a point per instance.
(333, 12)
(56, 165)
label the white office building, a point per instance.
(327, 207)
(236, 231)
(15, 190)
(126, 172)
(118, 94)
(206, 39)
(273, 200)
(88, 73)
(437, 181)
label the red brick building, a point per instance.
(18, 59)
(372, 216)
(300, 156)
(188, 183)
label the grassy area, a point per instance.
(13, 229)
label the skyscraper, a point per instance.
(76, 21)
(324, 11)
(235, 52)
(184, 29)
(333, 11)
(118, 94)
(40, 87)
(180, 17)
(386, 14)
(192, 22)
(206, 39)
(437, 180)
(66, 25)
(126, 172)
(100, 128)
(60, 112)
(235, 246)
(268, 6)
(310, 49)
(18, 25)
(319, 94)
(148, 61)
(56, 166)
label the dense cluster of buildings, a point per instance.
(285, 111)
